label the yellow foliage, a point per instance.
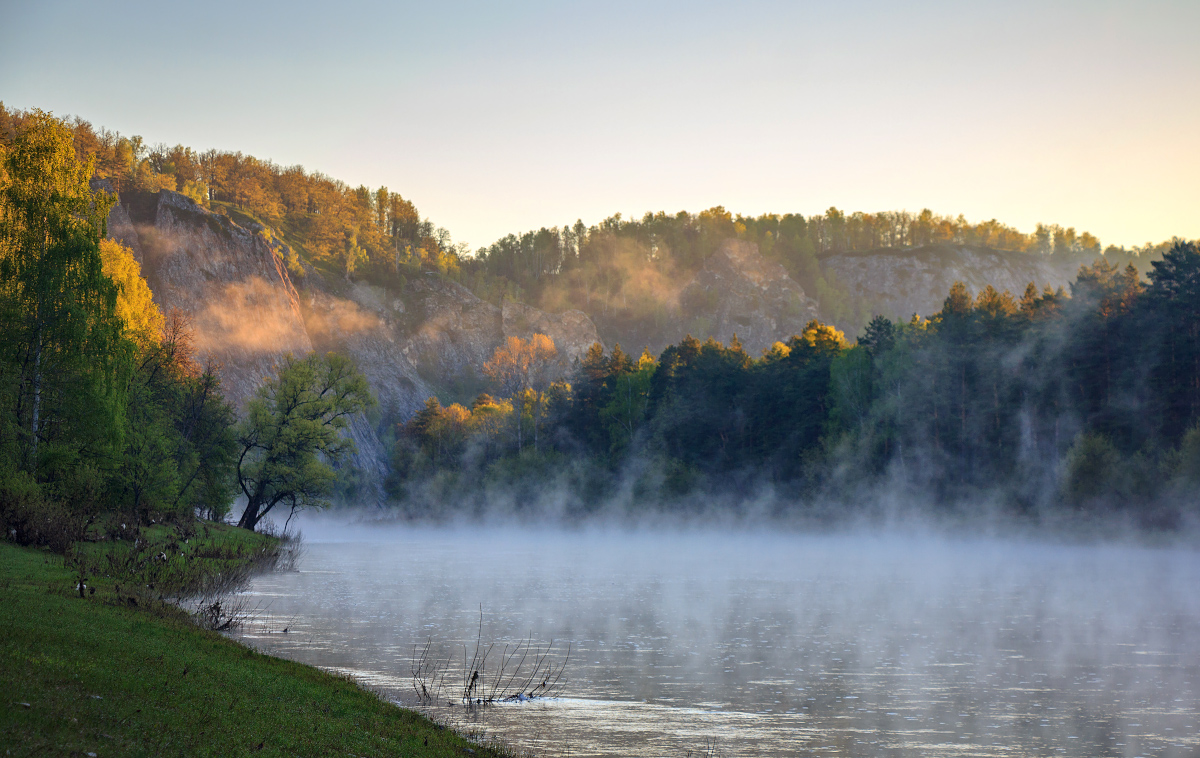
(148, 180)
(197, 191)
(646, 361)
(489, 418)
(516, 364)
(455, 415)
(823, 336)
(135, 303)
(777, 351)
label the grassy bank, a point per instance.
(101, 675)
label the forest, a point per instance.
(1081, 402)
(109, 422)
(1082, 399)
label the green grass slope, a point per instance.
(98, 676)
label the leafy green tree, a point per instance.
(1092, 470)
(208, 449)
(179, 445)
(62, 352)
(626, 409)
(293, 431)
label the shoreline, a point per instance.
(100, 675)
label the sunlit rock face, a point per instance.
(454, 332)
(900, 282)
(229, 282)
(740, 292)
(572, 331)
(246, 312)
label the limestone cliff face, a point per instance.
(572, 331)
(455, 332)
(740, 292)
(899, 283)
(364, 323)
(246, 313)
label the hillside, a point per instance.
(464, 350)
(431, 336)
(898, 283)
(246, 310)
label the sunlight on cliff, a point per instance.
(253, 316)
(339, 318)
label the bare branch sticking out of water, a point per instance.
(524, 671)
(710, 749)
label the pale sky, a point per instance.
(502, 117)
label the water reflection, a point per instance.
(774, 644)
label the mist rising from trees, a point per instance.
(1081, 402)
(1052, 400)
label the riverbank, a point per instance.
(104, 675)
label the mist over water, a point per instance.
(780, 643)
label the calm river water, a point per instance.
(770, 644)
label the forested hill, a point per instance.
(633, 275)
(1016, 388)
(641, 280)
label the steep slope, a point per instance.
(246, 313)
(900, 282)
(243, 309)
(740, 292)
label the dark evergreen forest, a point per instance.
(1085, 401)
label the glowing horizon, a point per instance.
(503, 120)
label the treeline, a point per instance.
(1083, 400)
(107, 421)
(371, 233)
(685, 240)
(627, 273)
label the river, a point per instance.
(755, 643)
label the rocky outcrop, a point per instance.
(455, 332)
(228, 281)
(233, 285)
(365, 324)
(572, 331)
(740, 292)
(900, 282)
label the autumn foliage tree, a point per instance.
(521, 364)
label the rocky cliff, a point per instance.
(435, 335)
(243, 309)
(246, 312)
(900, 282)
(740, 292)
